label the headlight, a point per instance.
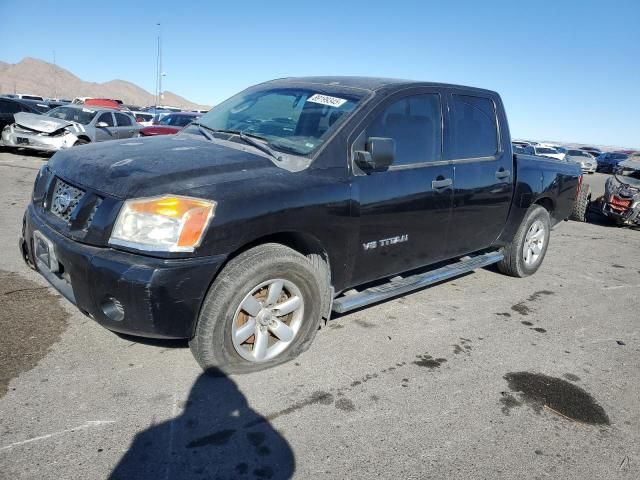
(169, 223)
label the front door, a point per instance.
(403, 211)
(482, 170)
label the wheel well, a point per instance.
(300, 242)
(545, 202)
(84, 137)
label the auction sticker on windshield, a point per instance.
(326, 100)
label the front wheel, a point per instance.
(524, 255)
(263, 309)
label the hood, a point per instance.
(143, 167)
(40, 123)
(630, 163)
(159, 130)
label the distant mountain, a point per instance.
(42, 78)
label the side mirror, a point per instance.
(102, 124)
(378, 155)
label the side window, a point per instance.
(107, 118)
(9, 107)
(123, 120)
(414, 123)
(474, 131)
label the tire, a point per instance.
(80, 141)
(514, 263)
(326, 293)
(215, 344)
(581, 205)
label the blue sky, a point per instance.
(566, 70)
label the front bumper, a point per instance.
(589, 168)
(629, 215)
(158, 298)
(13, 136)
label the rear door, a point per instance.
(125, 125)
(477, 144)
(108, 132)
(404, 210)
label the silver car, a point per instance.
(587, 163)
(68, 125)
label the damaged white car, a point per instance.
(66, 126)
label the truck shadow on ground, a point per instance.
(217, 435)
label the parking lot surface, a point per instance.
(485, 376)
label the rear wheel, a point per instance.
(524, 255)
(262, 310)
(579, 212)
(81, 141)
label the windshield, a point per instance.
(293, 120)
(177, 120)
(71, 114)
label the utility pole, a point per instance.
(159, 73)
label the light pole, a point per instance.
(159, 66)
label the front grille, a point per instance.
(93, 212)
(65, 199)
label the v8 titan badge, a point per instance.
(385, 242)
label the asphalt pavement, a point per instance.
(485, 376)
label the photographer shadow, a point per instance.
(217, 436)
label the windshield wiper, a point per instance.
(202, 130)
(249, 138)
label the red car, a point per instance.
(170, 124)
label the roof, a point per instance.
(188, 114)
(369, 83)
(95, 108)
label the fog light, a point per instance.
(113, 309)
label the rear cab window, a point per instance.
(473, 127)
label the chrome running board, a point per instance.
(393, 288)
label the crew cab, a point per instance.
(292, 199)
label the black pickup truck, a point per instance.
(292, 199)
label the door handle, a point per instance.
(440, 184)
(500, 174)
